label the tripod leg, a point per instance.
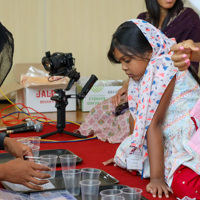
(61, 103)
(74, 134)
(48, 134)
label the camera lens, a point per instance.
(47, 64)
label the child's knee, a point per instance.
(186, 182)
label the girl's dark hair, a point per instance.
(130, 41)
(153, 9)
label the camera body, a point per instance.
(58, 64)
(61, 64)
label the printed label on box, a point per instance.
(98, 94)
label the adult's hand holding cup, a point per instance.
(52, 160)
(41, 168)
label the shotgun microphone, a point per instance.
(28, 124)
(36, 127)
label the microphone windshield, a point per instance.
(38, 127)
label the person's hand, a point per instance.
(16, 148)
(183, 54)
(117, 98)
(24, 172)
(157, 187)
(110, 161)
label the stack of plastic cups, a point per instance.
(90, 189)
(71, 175)
(72, 178)
(90, 183)
(34, 143)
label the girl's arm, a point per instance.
(157, 183)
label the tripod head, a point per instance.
(60, 96)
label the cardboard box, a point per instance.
(101, 90)
(37, 97)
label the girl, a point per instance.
(160, 99)
(174, 20)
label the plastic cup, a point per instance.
(111, 192)
(35, 150)
(113, 197)
(23, 140)
(34, 140)
(40, 162)
(90, 189)
(68, 161)
(52, 160)
(90, 173)
(131, 193)
(72, 178)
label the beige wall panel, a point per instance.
(25, 19)
(82, 27)
(85, 29)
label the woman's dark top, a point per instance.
(184, 26)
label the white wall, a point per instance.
(82, 27)
(195, 4)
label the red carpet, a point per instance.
(93, 152)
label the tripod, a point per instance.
(61, 103)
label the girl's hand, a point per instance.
(183, 54)
(158, 187)
(117, 98)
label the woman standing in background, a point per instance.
(174, 20)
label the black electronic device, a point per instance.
(58, 63)
(121, 109)
(62, 64)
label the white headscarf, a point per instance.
(144, 95)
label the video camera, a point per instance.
(58, 64)
(61, 64)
